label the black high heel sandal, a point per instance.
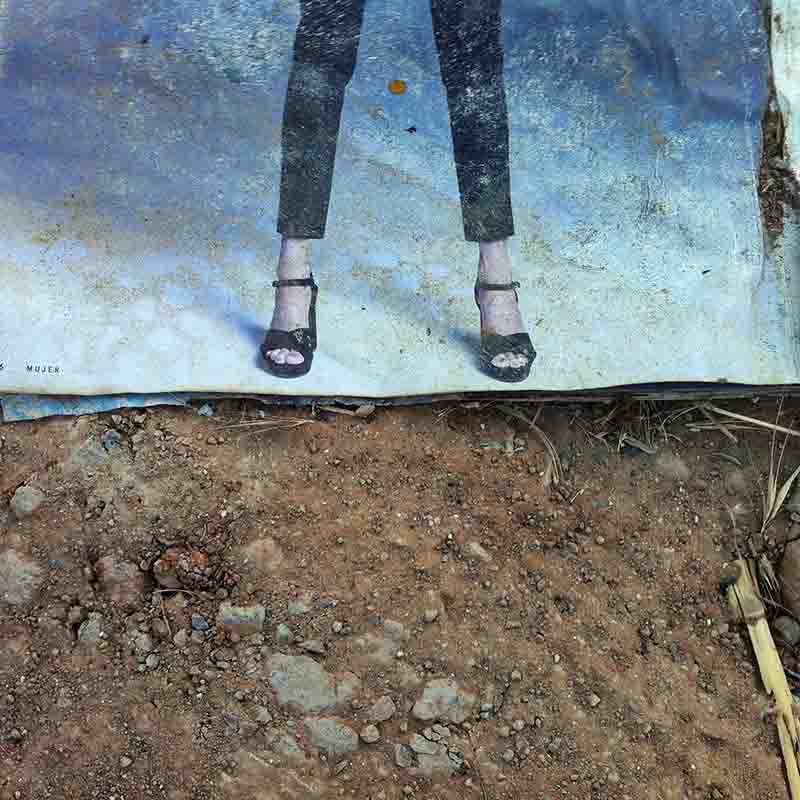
(301, 340)
(493, 344)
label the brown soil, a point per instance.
(593, 619)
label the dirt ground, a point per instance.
(576, 633)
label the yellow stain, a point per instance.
(398, 87)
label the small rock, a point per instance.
(93, 629)
(403, 756)
(143, 643)
(593, 700)
(26, 500)
(431, 615)
(518, 725)
(300, 681)
(419, 744)
(504, 732)
(444, 701)
(200, 623)
(508, 756)
(516, 676)
(152, 661)
(19, 578)
(243, 620)
(477, 550)
(125, 762)
(383, 710)
(181, 639)
(370, 734)
(262, 715)
(300, 605)
(206, 410)
(788, 630)
(442, 730)
(111, 440)
(672, 466)
(89, 456)
(331, 736)
(313, 646)
(284, 635)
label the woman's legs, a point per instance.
(325, 53)
(468, 36)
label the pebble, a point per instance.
(125, 762)
(504, 732)
(594, 700)
(331, 736)
(370, 734)
(200, 623)
(111, 439)
(152, 661)
(143, 644)
(508, 756)
(300, 681)
(479, 551)
(518, 725)
(262, 715)
(787, 629)
(403, 756)
(26, 500)
(19, 578)
(419, 744)
(444, 701)
(242, 620)
(300, 606)
(93, 629)
(383, 710)
(284, 635)
(431, 615)
(313, 646)
(516, 675)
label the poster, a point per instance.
(594, 166)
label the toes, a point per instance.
(509, 361)
(284, 356)
(278, 356)
(294, 358)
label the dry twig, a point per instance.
(554, 471)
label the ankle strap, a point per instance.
(309, 281)
(497, 287)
